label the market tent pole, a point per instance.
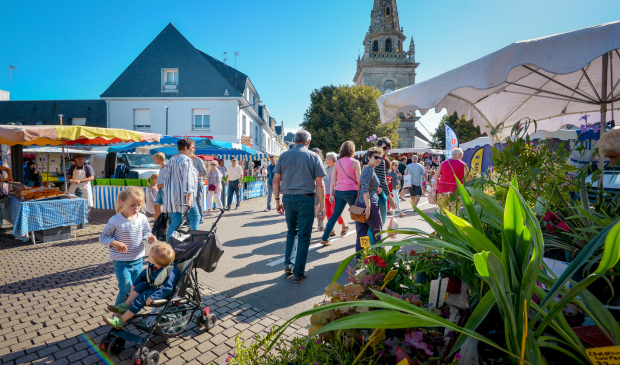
(64, 170)
(601, 157)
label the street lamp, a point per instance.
(247, 106)
(10, 68)
(166, 105)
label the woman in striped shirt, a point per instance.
(180, 187)
(124, 235)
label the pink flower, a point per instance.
(563, 226)
(550, 228)
(458, 356)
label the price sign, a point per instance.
(604, 355)
(365, 242)
(391, 275)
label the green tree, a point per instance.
(342, 113)
(464, 129)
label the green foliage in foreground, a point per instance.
(303, 351)
(510, 264)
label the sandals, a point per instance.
(326, 243)
(115, 322)
(402, 214)
(119, 308)
(332, 234)
(344, 231)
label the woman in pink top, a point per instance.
(344, 185)
(445, 180)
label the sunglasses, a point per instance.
(386, 148)
(376, 157)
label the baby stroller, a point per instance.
(172, 316)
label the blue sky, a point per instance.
(76, 49)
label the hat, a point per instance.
(233, 159)
(79, 155)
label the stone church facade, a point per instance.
(385, 64)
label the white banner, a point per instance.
(452, 141)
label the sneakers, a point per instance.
(236, 208)
(299, 279)
(115, 322)
(268, 209)
(119, 308)
(288, 269)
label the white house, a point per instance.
(174, 89)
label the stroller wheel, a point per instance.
(139, 358)
(152, 358)
(210, 323)
(115, 346)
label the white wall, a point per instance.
(5, 95)
(225, 126)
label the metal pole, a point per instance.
(166, 120)
(62, 164)
(414, 130)
(601, 160)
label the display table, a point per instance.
(256, 189)
(27, 217)
(104, 196)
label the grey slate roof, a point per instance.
(46, 111)
(200, 75)
(290, 137)
(278, 130)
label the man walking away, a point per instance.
(222, 169)
(234, 174)
(202, 172)
(418, 175)
(270, 169)
(401, 170)
(298, 170)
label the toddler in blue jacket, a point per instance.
(157, 281)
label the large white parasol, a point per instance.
(554, 80)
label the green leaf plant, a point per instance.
(510, 264)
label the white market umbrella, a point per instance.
(554, 80)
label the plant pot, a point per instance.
(555, 254)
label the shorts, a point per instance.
(160, 197)
(415, 190)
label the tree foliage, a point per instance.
(464, 129)
(342, 113)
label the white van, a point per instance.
(141, 166)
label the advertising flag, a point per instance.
(476, 162)
(452, 141)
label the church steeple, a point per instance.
(384, 16)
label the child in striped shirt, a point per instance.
(124, 235)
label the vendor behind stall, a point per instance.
(30, 174)
(80, 176)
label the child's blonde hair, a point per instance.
(160, 156)
(130, 192)
(153, 177)
(162, 254)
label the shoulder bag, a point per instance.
(357, 212)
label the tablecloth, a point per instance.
(38, 215)
(256, 189)
(104, 196)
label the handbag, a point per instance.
(212, 187)
(357, 213)
(160, 227)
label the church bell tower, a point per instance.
(385, 64)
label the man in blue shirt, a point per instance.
(270, 168)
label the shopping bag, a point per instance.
(160, 227)
(407, 181)
(393, 226)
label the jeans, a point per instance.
(145, 291)
(199, 194)
(329, 209)
(233, 188)
(176, 217)
(126, 272)
(299, 210)
(269, 194)
(342, 198)
(373, 226)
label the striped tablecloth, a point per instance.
(256, 189)
(104, 196)
(39, 215)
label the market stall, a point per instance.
(34, 212)
(48, 161)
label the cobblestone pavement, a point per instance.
(53, 297)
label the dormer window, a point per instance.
(170, 79)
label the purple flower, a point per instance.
(585, 117)
(458, 356)
(416, 340)
(382, 353)
(230, 357)
(318, 341)
(303, 347)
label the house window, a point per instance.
(387, 11)
(170, 79)
(243, 129)
(256, 134)
(388, 45)
(202, 120)
(375, 46)
(78, 121)
(142, 119)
